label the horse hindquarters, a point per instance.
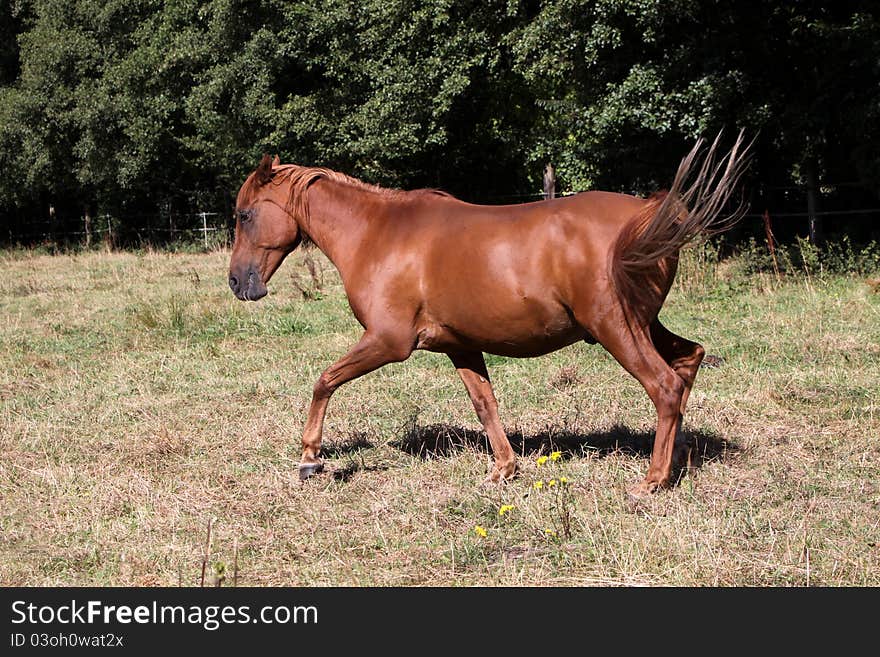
(627, 327)
(642, 264)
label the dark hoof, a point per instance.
(307, 470)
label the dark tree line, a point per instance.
(138, 107)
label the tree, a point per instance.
(131, 107)
(624, 84)
(403, 93)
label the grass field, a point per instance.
(139, 401)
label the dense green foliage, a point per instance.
(141, 106)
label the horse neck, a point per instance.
(341, 219)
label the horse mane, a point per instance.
(299, 179)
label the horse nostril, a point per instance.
(233, 283)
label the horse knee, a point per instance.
(323, 388)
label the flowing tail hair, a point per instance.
(690, 209)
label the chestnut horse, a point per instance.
(424, 270)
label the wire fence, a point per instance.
(214, 230)
(774, 202)
(210, 229)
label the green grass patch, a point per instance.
(139, 399)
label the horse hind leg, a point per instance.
(682, 355)
(632, 346)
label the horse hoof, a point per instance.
(642, 490)
(307, 470)
(500, 475)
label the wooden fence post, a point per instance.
(812, 189)
(549, 182)
(111, 240)
(52, 224)
(205, 228)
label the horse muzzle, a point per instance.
(249, 286)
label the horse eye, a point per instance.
(245, 215)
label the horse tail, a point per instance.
(648, 245)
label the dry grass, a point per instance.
(139, 400)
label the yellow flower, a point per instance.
(479, 531)
(541, 460)
(552, 482)
(555, 456)
(505, 508)
(539, 484)
(549, 532)
(563, 480)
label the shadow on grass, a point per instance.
(352, 443)
(347, 471)
(439, 440)
(350, 447)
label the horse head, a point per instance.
(265, 232)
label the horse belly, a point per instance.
(534, 346)
(525, 333)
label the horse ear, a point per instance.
(264, 170)
(276, 162)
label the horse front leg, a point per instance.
(370, 353)
(471, 367)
